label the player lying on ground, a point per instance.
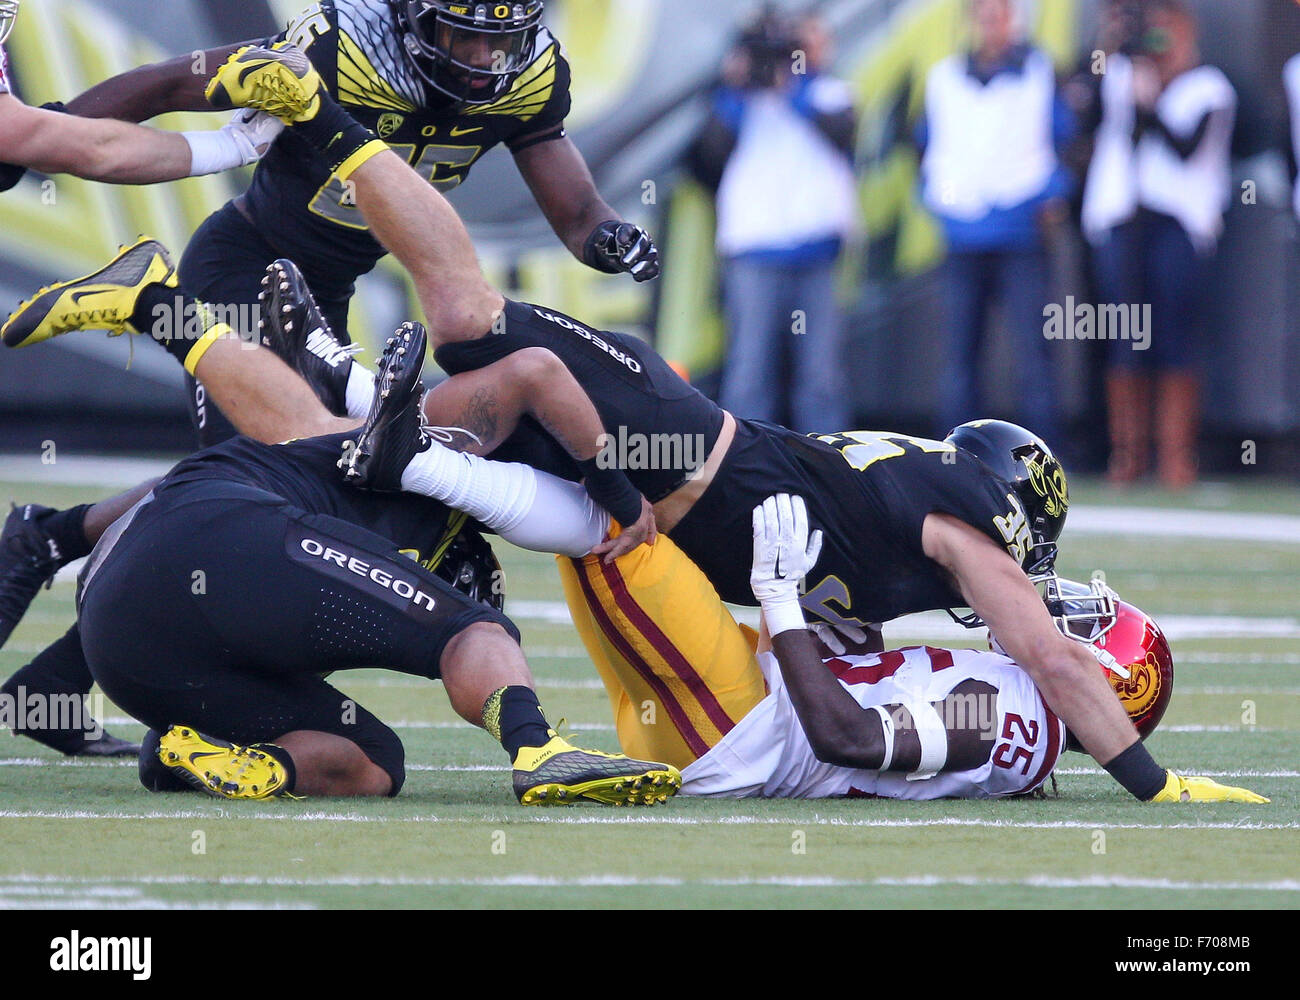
(909, 524)
(217, 603)
(920, 723)
(36, 541)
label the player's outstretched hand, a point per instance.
(784, 551)
(1196, 789)
(645, 531)
(615, 246)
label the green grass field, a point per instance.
(86, 835)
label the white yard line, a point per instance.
(614, 880)
(658, 818)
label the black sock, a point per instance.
(60, 669)
(286, 761)
(68, 530)
(514, 716)
(170, 317)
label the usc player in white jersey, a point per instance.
(919, 722)
(986, 727)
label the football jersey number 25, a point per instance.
(444, 166)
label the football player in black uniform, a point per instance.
(443, 83)
(211, 610)
(36, 540)
(910, 524)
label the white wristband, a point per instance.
(783, 614)
(212, 152)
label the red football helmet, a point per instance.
(1132, 650)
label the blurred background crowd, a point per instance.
(903, 214)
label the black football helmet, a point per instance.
(471, 567)
(469, 51)
(1022, 460)
(8, 13)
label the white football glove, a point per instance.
(833, 636)
(784, 553)
(243, 140)
(254, 132)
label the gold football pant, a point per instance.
(680, 672)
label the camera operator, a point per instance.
(1153, 211)
(994, 126)
(778, 149)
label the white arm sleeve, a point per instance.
(562, 519)
(532, 509)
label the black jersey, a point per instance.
(869, 493)
(305, 474)
(307, 213)
(659, 429)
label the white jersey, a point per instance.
(767, 754)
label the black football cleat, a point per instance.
(107, 745)
(394, 431)
(29, 558)
(296, 330)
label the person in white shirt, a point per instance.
(993, 128)
(1153, 211)
(779, 147)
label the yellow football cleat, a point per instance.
(221, 769)
(1196, 789)
(105, 300)
(280, 81)
(560, 774)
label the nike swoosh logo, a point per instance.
(78, 297)
(456, 132)
(196, 756)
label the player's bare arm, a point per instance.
(1000, 593)
(1064, 671)
(564, 189)
(148, 91)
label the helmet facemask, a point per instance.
(8, 14)
(469, 52)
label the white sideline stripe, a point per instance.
(84, 470)
(1213, 689)
(1240, 658)
(613, 880)
(1199, 773)
(634, 820)
(1174, 523)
